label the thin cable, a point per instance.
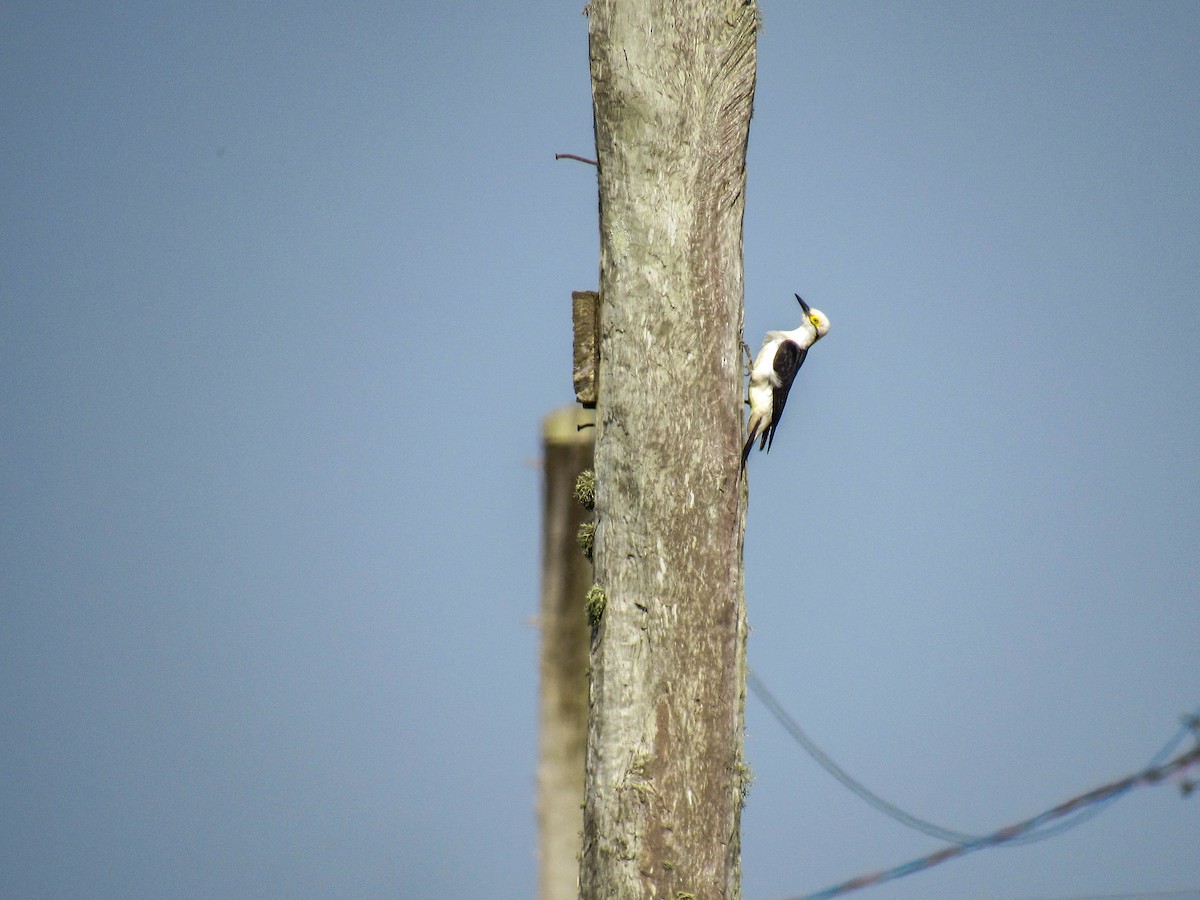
(1190, 725)
(1192, 894)
(1153, 775)
(933, 830)
(890, 809)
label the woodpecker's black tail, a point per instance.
(746, 452)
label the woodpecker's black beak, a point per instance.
(803, 305)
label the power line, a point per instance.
(1113, 789)
(1192, 894)
(1009, 833)
(759, 689)
(887, 808)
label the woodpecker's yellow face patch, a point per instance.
(819, 323)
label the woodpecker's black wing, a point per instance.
(788, 360)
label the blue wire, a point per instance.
(1152, 775)
(963, 839)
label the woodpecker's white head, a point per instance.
(817, 319)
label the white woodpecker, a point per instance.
(773, 372)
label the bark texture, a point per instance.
(673, 87)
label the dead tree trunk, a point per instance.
(566, 577)
(673, 87)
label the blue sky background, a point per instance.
(285, 294)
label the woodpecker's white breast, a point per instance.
(763, 379)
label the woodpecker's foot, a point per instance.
(749, 357)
